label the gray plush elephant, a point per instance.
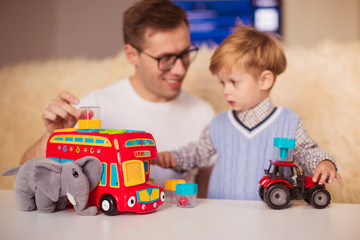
(47, 185)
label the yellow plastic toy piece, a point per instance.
(66, 130)
(171, 184)
(86, 123)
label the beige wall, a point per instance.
(308, 22)
(42, 29)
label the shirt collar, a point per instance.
(252, 117)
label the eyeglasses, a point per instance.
(168, 61)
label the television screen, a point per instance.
(211, 21)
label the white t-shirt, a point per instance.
(173, 124)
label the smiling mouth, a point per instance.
(173, 83)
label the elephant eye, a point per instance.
(75, 173)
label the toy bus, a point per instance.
(126, 156)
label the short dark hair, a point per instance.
(153, 14)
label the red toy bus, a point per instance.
(126, 157)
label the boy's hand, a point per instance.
(326, 170)
(165, 160)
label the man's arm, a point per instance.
(37, 149)
(59, 114)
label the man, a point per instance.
(157, 43)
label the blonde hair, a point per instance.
(248, 47)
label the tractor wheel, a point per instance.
(277, 196)
(108, 205)
(320, 198)
(261, 192)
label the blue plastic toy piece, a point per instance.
(89, 130)
(284, 144)
(186, 188)
(186, 194)
(127, 130)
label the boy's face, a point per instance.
(242, 90)
(156, 85)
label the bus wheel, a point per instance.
(108, 205)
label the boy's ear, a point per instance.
(266, 80)
(131, 54)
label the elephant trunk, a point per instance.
(79, 204)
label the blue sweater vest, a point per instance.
(244, 153)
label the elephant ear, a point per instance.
(93, 169)
(46, 176)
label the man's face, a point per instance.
(151, 83)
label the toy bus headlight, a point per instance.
(162, 196)
(132, 201)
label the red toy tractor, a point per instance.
(284, 181)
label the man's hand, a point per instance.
(326, 170)
(165, 160)
(60, 113)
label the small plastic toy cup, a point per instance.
(90, 118)
(186, 195)
(170, 187)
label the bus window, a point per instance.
(64, 160)
(146, 167)
(139, 142)
(134, 172)
(99, 141)
(114, 177)
(89, 140)
(103, 176)
(52, 158)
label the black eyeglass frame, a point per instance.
(177, 56)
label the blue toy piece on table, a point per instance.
(186, 194)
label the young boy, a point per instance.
(247, 64)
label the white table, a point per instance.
(210, 219)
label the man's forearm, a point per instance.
(38, 149)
